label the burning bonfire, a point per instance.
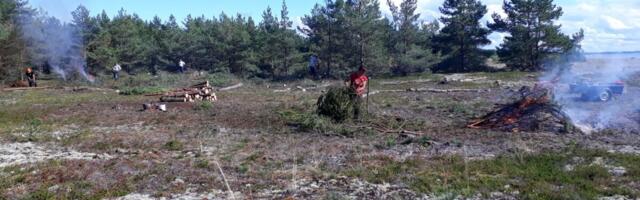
(534, 111)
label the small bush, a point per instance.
(204, 106)
(173, 145)
(220, 79)
(307, 122)
(142, 90)
(338, 103)
(203, 164)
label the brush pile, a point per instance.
(339, 103)
(198, 92)
(534, 111)
(19, 83)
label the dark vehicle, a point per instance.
(591, 91)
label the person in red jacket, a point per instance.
(358, 84)
(358, 81)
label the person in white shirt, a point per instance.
(116, 70)
(181, 64)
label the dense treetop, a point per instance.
(344, 34)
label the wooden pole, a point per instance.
(369, 81)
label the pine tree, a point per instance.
(534, 39)
(130, 41)
(11, 45)
(100, 52)
(286, 39)
(319, 35)
(346, 34)
(364, 30)
(408, 43)
(85, 30)
(268, 43)
(462, 36)
(171, 44)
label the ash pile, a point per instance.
(199, 92)
(532, 111)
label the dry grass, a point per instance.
(266, 141)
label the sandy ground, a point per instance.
(23, 153)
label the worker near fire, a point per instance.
(181, 64)
(358, 84)
(31, 77)
(116, 71)
(313, 66)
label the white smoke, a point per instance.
(597, 69)
(53, 43)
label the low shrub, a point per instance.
(220, 79)
(141, 90)
(204, 106)
(339, 103)
(307, 122)
(173, 145)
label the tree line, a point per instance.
(343, 34)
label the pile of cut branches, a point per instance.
(534, 111)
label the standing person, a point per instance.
(313, 66)
(31, 77)
(358, 84)
(116, 71)
(181, 64)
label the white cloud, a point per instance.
(428, 9)
(614, 23)
(609, 25)
(586, 7)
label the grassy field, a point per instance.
(271, 144)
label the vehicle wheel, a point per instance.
(604, 95)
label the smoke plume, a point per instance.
(54, 45)
(598, 69)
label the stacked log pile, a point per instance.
(198, 92)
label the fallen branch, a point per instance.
(433, 90)
(285, 90)
(224, 178)
(317, 87)
(445, 90)
(232, 87)
(303, 89)
(403, 82)
(25, 88)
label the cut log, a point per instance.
(24, 88)
(173, 99)
(201, 85)
(404, 82)
(199, 92)
(432, 90)
(231, 87)
(285, 90)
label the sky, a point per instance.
(609, 25)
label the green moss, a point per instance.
(173, 145)
(202, 163)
